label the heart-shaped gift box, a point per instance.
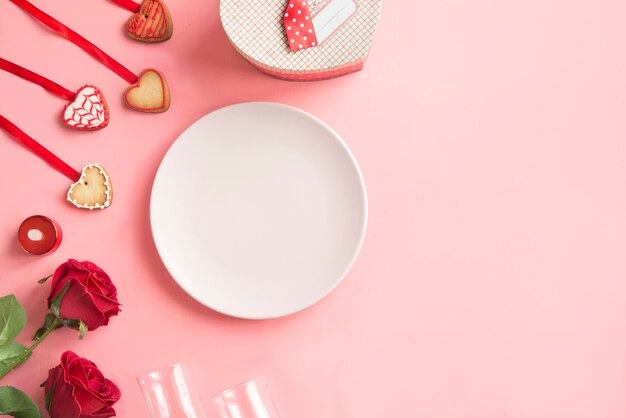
(257, 31)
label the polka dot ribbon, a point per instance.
(299, 25)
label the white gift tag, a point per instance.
(329, 15)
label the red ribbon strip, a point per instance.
(49, 85)
(129, 5)
(39, 149)
(77, 39)
(299, 26)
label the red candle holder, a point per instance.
(39, 235)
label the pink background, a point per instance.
(491, 282)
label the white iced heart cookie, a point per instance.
(88, 111)
(93, 190)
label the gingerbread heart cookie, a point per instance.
(88, 111)
(153, 22)
(149, 94)
(93, 190)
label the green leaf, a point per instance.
(82, 330)
(55, 304)
(12, 318)
(11, 356)
(45, 279)
(48, 396)
(70, 323)
(76, 324)
(15, 403)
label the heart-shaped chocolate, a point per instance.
(273, 35)
(153, 22)
(149, 94)
(88, 111)
(93, 190)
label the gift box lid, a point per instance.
(257, 31)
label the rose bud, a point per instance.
(87, 294)
(76, 388)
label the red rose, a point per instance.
(91, 296)
(76, 388)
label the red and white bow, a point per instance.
(308, 23)
(299, 25)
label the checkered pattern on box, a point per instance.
(255, 27)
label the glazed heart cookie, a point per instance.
(93, 190)
(149, 94)
(88, 111)
(153, 22)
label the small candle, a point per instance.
(39, 235)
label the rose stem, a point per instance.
(26, 354)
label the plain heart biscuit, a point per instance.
(153, 22)
(149, 94)
(93, 190)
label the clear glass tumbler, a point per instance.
(171, 393)
(246, 400)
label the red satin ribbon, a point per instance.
(49, 85)
(39, 149)
(129, 5)
(77, 39)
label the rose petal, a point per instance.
(76, 372)
(95, 286)
(102, 284)
(63, 403)
(53, 375)
(77, 303)
(107, 412)
(91, 297)
(106, 305)
(111, 392)
(59, 274)
(67, 357)
(62, 400)
(97, 272)
(89, 401)
(71, 399)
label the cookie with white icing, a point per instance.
(93, 190)
(88, 111)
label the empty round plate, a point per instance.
(258, 210)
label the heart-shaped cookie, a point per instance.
(262, 32)
(149, 94)
(93, 190)
(153, 22)
(88, 111)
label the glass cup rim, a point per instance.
(172, 366)
(258, 381)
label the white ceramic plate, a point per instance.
(258, 210)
